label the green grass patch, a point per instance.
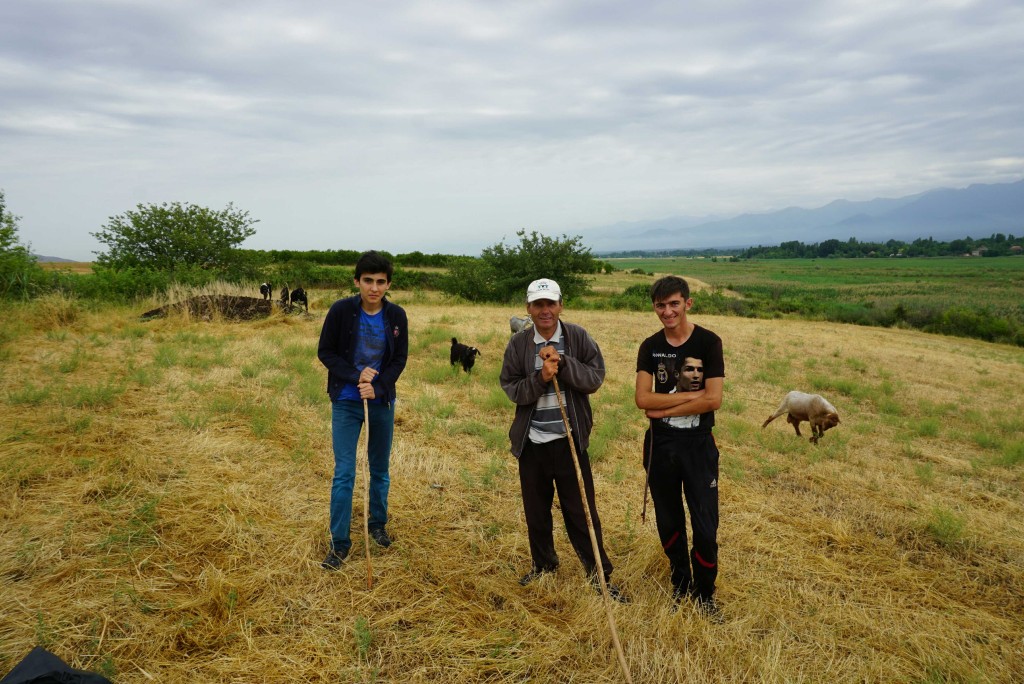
(1012, 453)
(103, 395)
(927, 427)
(29, 395)
(945, 526)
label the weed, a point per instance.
(438, 373)
(166, 356)
(927, 427)
(945, 526)
(261, 420)
(1012, 453)
(70, 364)
(29, 395)
(987, 440)
(496, 400)
(46, 636)
(94, 396)
(925, 472)
(137, 531)
(312, 390)
(364, 637)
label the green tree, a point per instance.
(176, 236)
(503, 272)
(18, 268)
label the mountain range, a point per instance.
(943, 214)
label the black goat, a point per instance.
(267, 290)
(299, 297)
(464, 354)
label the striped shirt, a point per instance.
(546, 425)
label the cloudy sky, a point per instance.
(447, 126)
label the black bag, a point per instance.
(42, 667)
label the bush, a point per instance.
(502, 273)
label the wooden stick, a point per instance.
(593, 537)
(650, 459)
(366, 496)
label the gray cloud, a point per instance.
(444, 127)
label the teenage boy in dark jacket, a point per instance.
(532, 359)
(364, 344)
(680, 372)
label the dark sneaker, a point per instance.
(614, 593)
(380, 536)
(534, 574)
(334, 560)
(680, 592)
(709, 609)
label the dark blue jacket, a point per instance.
(338, 347)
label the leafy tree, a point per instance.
(18, 268)
(503, 272)
(169, 237)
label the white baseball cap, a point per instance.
(545, 288)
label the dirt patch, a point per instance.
(227, 307)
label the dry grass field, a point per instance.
(164, 490)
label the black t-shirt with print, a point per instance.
(683, 368)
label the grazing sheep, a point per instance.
(813, 408)
(299, 297)
(518, 323)
(267, 290)
(464, 354)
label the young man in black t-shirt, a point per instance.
(679, 376)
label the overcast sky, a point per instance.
(447, 126)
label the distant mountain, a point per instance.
(944, 214)
(48, 259)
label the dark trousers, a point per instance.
(543, 468)
(686, 467)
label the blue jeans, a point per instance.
(346, 423)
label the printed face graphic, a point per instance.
(691, 375)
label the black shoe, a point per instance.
(535, 574)
(380, 536)
(615, 594)
(334, 560)
(680, 592)
(709, 609)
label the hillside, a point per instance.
(165, 489)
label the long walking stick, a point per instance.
(593, 537)
(366, 496)
(650, 459)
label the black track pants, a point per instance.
(686, 466)
(543, 468)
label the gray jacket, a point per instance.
(580, 374)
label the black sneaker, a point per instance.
(709, 609)
(680, 592)
(380, 536)
(534, 574)
(334, 560)
(615, 594)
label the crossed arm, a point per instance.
(657, 405)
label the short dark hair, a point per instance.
(373, 262)
(668, 286)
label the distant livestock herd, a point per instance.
(296, 297)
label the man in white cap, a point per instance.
(538, 434)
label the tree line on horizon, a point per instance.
(997, 244)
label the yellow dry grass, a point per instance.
(164, 490)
